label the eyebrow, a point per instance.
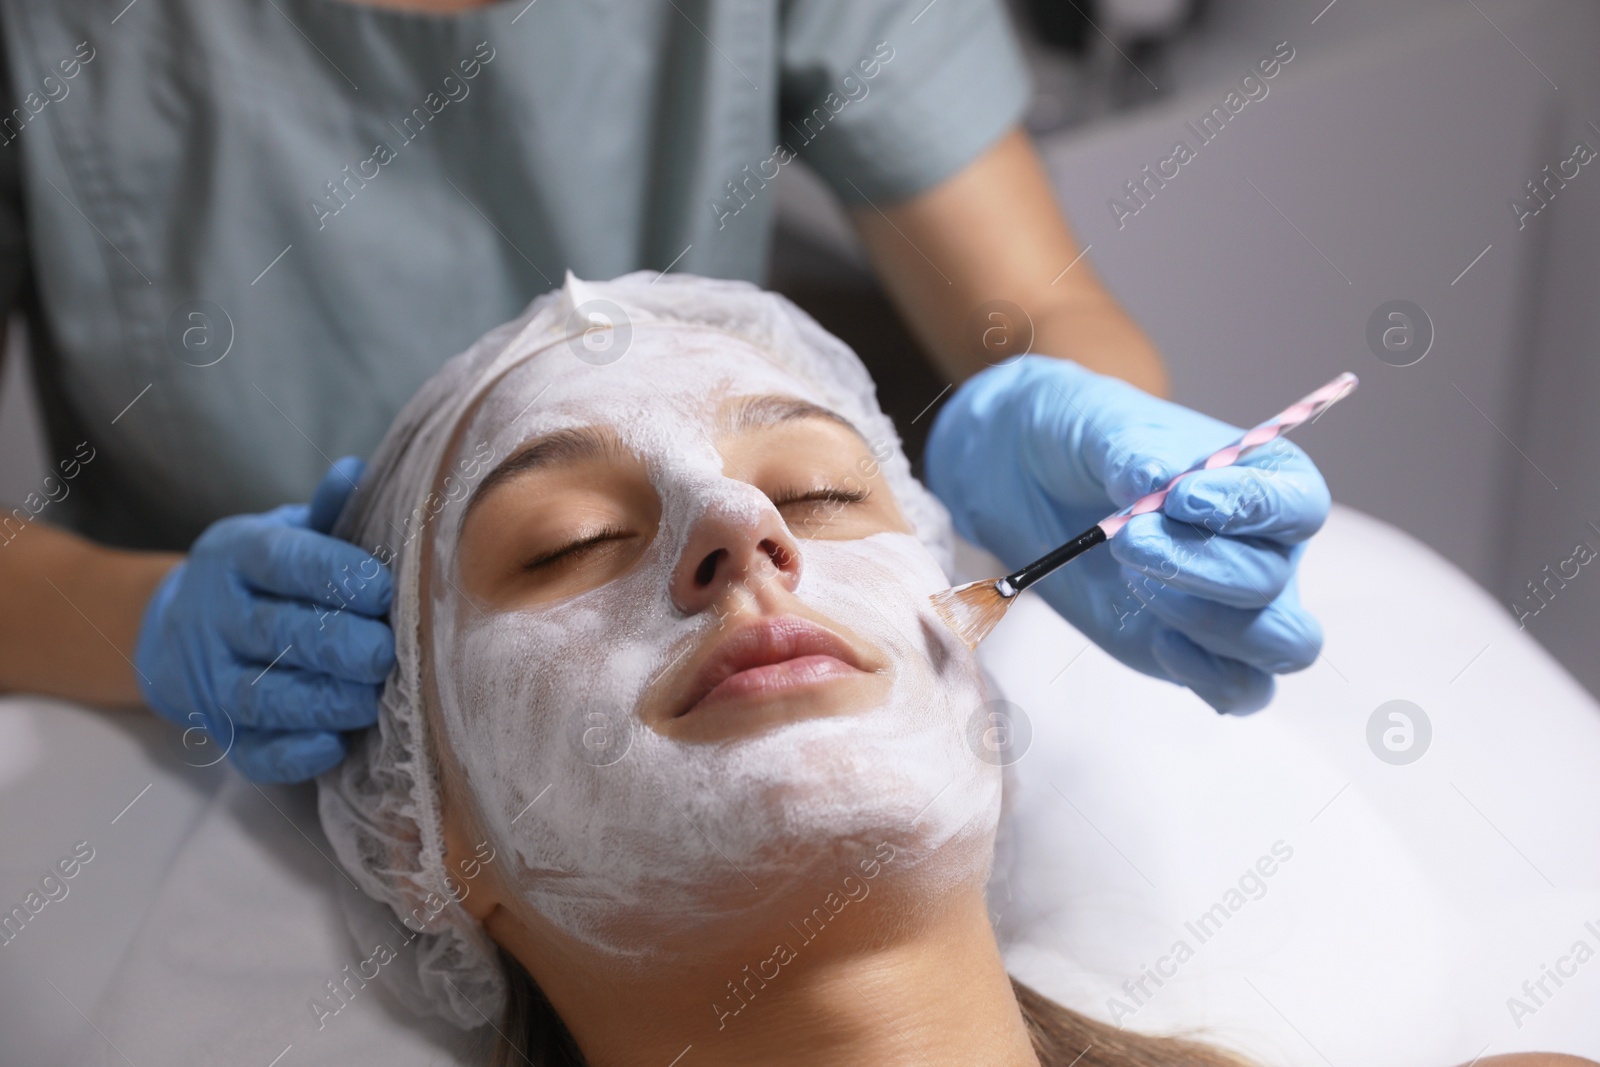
(588, 442)
(562, 447)
(762, 411)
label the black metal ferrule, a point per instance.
(1042, 566)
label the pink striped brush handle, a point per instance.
(1304, 410)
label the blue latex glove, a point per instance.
(1031, 453)
(272, 589)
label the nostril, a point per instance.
(708, 567)
(777, 553)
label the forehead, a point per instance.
(669, 381)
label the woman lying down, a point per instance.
(673, 756)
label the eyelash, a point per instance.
(829, 494)
(609, 533)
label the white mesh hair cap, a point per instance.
(381, 807)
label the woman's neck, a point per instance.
(855, 991)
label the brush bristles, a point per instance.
(972, 610)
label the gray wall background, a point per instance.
(1380, 165)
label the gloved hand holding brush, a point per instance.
(1031, 453)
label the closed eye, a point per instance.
(809, 512)
(826, 494)
(571, 551)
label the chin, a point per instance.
(911, 874)
(856, 787)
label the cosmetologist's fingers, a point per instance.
(1137, 459)
(1287, 503)
(287, 698)
(1231, 687)
(277, 757)
(1279, 639)
(335, 488)
(343, 644)
(306, 565)
(1242, 572)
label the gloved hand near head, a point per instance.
(271, 636)
(1031, 453)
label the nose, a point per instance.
(734, 543)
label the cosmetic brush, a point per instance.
(972, 610)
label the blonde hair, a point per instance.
(531, 1032)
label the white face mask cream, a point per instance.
(630, 840)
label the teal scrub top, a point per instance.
(242, 232)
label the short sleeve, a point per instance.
(886, 98)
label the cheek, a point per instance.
(533, 691)
(529, 676)
(879, 586)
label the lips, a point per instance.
(770, 656)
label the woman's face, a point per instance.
(683, 656)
